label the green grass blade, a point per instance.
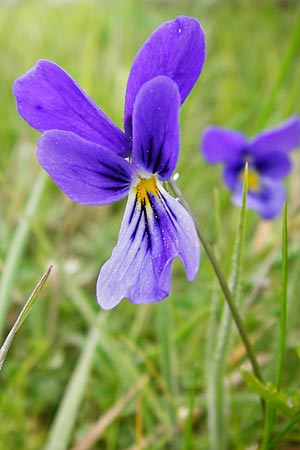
(282, 326)
(63, 424)
(26, 309)
(17, 246)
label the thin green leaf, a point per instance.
(269, 393)
(25, 311)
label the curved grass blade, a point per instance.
(26, 309)
(17, 246)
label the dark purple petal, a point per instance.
(177, 50)
(274, 165)
(284, 137)
(233, 174)
(267, 201)
(155, 229)
(223, 146)
(156, 127)
(86, 172)
(48, 98)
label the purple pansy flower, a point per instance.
(95, 163)
(268, 163)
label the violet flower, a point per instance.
(84, 153)
(267, 155)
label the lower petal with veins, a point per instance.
(155, 229)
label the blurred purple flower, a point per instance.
(84, 153)
(268, 163)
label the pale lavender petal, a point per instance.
(48, 98)
(154, 231)
(177, 50)
(220, 145)
(285, 137)
(268, 201)
(86, 172)
(156, 127)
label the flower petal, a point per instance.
(275, 165)
(220, 145)
(86, 172)
(152, 234)
(233, 174)
(284, 137)
(268, 201)
(48, 98)
(177, 50)
(156, 127)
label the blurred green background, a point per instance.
(251, 80)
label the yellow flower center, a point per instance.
(253, 180)
(144, 187)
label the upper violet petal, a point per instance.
(275, 165)
(48, 98)
(285, 137)
(177, 50)
(153, 233)
(156, 127)
(220, 145)
(86, 172)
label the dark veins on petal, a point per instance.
(113, 173)
(143, 218)
(142, 214)
(148, 157)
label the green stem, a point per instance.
(223, 284)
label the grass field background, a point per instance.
(145, 371)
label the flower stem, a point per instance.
(223, 284)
